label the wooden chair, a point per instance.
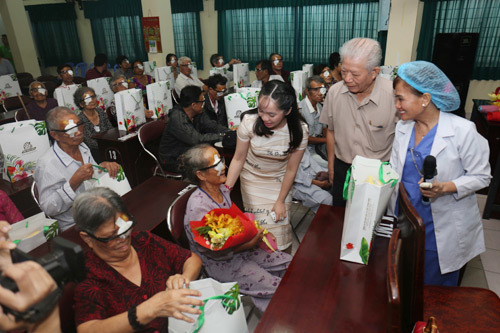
(13, 103)
(24, 75)
(51, 87)
(175, 217)
(393, 282)
(457, 309)
(80, 80)
(46, 78)
(149, 134)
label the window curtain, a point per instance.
(187, 30)
(472, 16)
(301, 35)
(55, 33)
(117, 28)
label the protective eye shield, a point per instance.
(219, 165)
(71, 128)
(124, 230)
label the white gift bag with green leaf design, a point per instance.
(32, 232)
(9, 86)
(101, 178)
(129, 109)
(222, 313)
(241, 75)
(149, 67)
(237, 103)
(159, 98)
(22, 144)
(368, 188)
(64, 96)
(102, 90)
(165, 74)
(194, 69)
(308, 68)
(298, 79)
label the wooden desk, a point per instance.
(321, 293)
(20, 193)
(128, 153)
(148, 203)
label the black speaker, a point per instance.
(455, 54)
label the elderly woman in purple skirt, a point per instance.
(257, 272)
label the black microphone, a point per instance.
(429, 171)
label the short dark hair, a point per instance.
(314, 78)
(95, 206)
(215, 80)
(319, 68)
(120, 59)
(169, 56)
(334, 60)
(273, 54)
(190, 95)
(286, 99)
(61, 67)
(100, 59)
(266, 65)
(214, 57)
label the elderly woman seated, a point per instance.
(257, 272)
(40, 105)
(135, 280)
(93, 118)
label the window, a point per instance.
(471, 16)
(187, 36)
(301, 35)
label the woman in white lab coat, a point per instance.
(454, 233)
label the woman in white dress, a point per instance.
(269, 149)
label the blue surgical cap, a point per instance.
(428, 78)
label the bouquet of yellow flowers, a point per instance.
(220, 229)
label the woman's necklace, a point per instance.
(208, 195)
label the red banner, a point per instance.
(151, 33)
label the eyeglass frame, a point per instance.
(222, 159)
(112, 238)
(78, 124)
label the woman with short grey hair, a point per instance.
(93, 117)
(135, 280)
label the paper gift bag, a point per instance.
(224, 71)
(149, 67)
(299, 79)
(165, 74)
(9, 86)
(119, 184)
(22, 143)
(238, 103)
(129, 109)
(308, 68)
(32, 232)
(194, 69)
(222, 312)
(159, 98)
(64, 96)
(241, 75)
(102, 90)
(368, 188)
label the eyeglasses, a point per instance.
(259, 69)
(89, 97)
(66, 71)
(316, 89)
(203, 101)
(109, 239)
(222, 160)
(221, 91)
(80, 123)
(185, 65)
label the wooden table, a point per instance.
(321, 293)
(7, 117)
(128, 153)
(20, 193)
(148, 203)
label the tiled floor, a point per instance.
(483, 271)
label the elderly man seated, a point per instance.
(187, 126)
(264, 73)
(61, 172)
(119, 83)
(64, 93)
(214, 99)
(310, 108)
(41, 104)
(100, 68)
(185, 78)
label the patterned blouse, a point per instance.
(105, 292)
